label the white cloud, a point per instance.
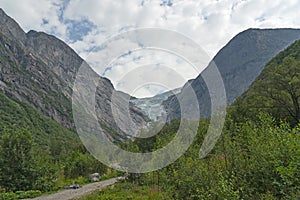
(37, 15)
(210, 23)
(149, 67)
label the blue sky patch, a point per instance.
(78, 29)
(166, 3)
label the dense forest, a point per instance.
(257, 156)
(252, 160)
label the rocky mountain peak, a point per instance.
(39, 69)
(10, 28)
(239, 64)
(62, 59)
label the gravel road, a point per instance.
(69, 194)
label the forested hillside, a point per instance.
(37, 153)
(276, 90)
(22, 116)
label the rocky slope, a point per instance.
(239, 63)
(40, 70)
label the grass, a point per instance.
(20, 195)
(127, 191)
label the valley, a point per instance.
(256, 156)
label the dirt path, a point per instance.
(77, 193)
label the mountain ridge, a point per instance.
(10, 27)
(40, 69)
(275, 90)
(239, 62)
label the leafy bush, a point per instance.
(28, 194)
(8, 196)
(20, 195)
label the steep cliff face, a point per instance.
(239, 63)
(10, 28)
(40, 69)
(59, 57)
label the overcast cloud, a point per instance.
(86, 24)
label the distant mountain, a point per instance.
(239, 63)
(152, 106)
(39, 70)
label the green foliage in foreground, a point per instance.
(20, 195)
(20, 168)
(252, 160)
(24, 166)
(129, 191)
(37, 153)
(15, 159)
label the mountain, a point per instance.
(10, 28)
(239, 63)
(38, 69)
(276, 90)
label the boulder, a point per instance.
(94, 177)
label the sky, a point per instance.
(86, 24)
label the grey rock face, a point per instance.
(239, 63)
(57, 55)
(11, 28)
(39, 69)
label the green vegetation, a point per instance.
(276, 90)
(37, 154)
(127, 191)
(43, 129)
(257, 156)
(252, 160)
(20, 195)
(16, 159)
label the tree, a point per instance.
(276, 91)
(282, 87)
(15, 159)
(80, 164)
